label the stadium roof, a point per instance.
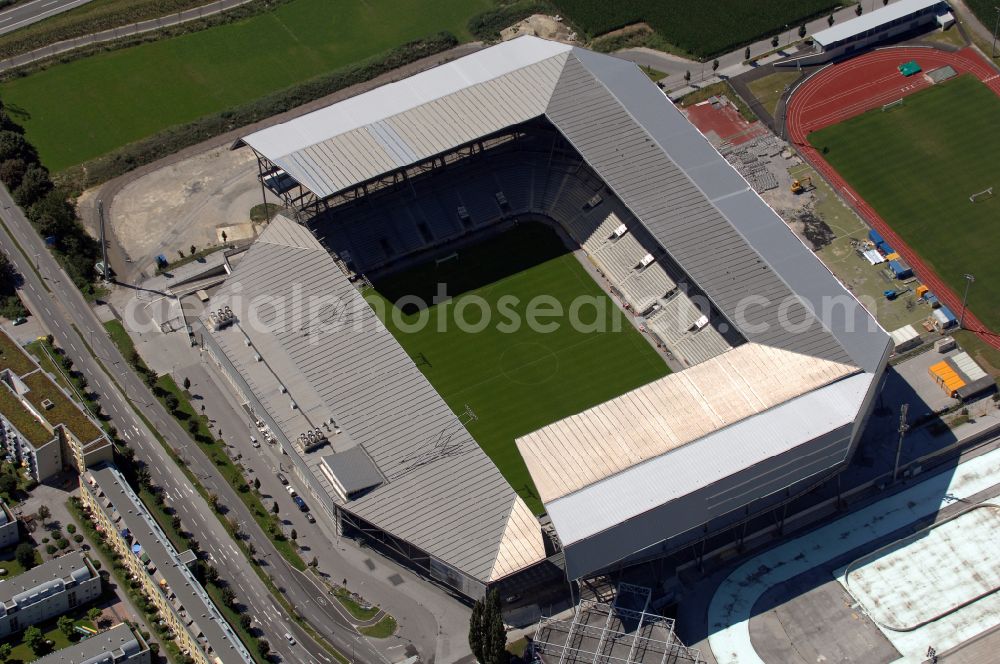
(871, 20)
(728, 241)
(336, 359)
(670, 412)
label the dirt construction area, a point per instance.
(186, 203)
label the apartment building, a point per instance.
(197, 626)
(119, 645)
(47, 591)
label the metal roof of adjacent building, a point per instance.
(353, 469)
(102, 648)
(702, 212)
(871, 20)
(668, 413)
(323, 341)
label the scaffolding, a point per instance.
(619, 633)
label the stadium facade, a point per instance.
(781, 364)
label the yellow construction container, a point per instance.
(922, 290)
(946, 377)
(892, 257)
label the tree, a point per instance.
(256, 483)
(175, 522)
(34, 185)
(775, 40)
(245, 621)
(142, 476)
(830, 20)
(187, 383)
(8, 484)
(476, 631)
(12, 172)
(13, 146)
(746, 53)
(274, 508)
(885, 2)
(94, 614)
(212, 574)
(65, 624)
(228, 597)
(487, 636)
(314, 563)
(859, 9)
(224, 236)
(263, 648)
(687, 76)
(173, 403)
(294, 534)
(193, 250)
(44, 513)
(34, 639)
(5, 651)
(494, 633)
(193, 426)
(715, 65)
(802, 31)
(213, 501)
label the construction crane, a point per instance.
(800, 185)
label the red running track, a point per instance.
(847, 89)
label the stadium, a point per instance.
(730, 373)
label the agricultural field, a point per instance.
(121, 96)
(703, 29)
(516, 379)
(917, 165)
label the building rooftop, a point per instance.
(62, 410)
(353, 469)
(13, 357)
(57, 569)
(202, 617)
(22, 418)
(101, 648)
(872, 20)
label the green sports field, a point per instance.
(917, 165)
(515, 378)
(76, 111)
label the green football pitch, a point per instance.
(79, 110)
(516, 377)
(917, 165)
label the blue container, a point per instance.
(875, 237)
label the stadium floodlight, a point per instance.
(969, 279)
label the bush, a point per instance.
(25, 555)
(169, 141)
(50, 549)
(70, 528)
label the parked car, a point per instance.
(282, 479)
(254, 442)
(20, 320)
(310, 518)
(291, 491)
(301, 503)
(290, 638)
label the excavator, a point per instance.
(800, 185)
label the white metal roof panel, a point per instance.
(643, 487)
(871, 20)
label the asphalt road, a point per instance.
(26, 13)
(70, 319)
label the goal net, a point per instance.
(892, 104)
(981, 195)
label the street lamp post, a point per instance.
(969, 279)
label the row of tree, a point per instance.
(46, 206)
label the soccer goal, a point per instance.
(981, 195)
(892, 104)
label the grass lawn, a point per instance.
(517, 380)
(122, 96)
(20, 652)
(383, 629)
(917, 165)
(768, 89)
